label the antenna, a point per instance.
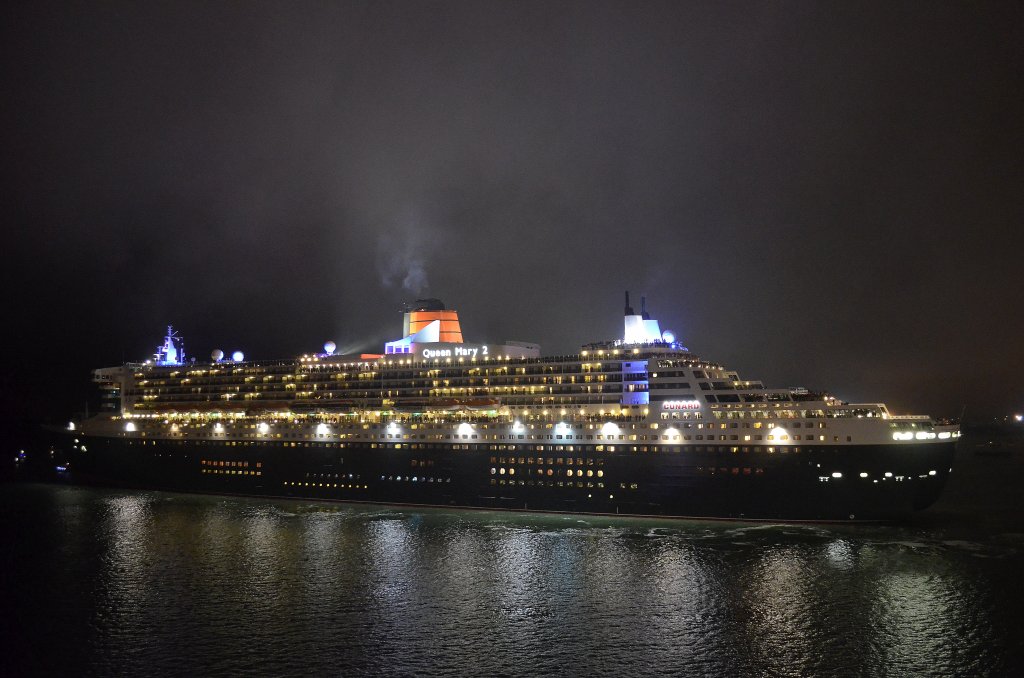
(172, 351)
(629, 311)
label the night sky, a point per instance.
(826, 195)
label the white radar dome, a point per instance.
(668, 336)
(330, 347)
(238, 356)
(217, 355)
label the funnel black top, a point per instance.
(428, 305)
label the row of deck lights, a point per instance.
(464, 428)
(410, 361)
(864, 474)
(561, 428)
(393, 428)
(924, 435)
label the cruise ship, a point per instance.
(638, 425)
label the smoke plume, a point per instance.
(402, 256)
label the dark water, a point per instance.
(131, 583)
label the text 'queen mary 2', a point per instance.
(636, 426)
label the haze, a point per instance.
(825, 195)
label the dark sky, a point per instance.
(817, 194)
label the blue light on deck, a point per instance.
(172, 351)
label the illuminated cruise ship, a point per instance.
(639, 425)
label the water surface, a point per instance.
(132, 582)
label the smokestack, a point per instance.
(629, 311)
(643, 308)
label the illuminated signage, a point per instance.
(680, 405)
(456, 352)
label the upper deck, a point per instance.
(650, 379)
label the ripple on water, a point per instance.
(152, 583)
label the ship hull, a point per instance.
(817, 483)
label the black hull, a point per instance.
(698, 481)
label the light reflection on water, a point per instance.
(179, 583)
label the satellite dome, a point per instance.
(668, 336)
(217, 355)
(330, 347)
(238, 356)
